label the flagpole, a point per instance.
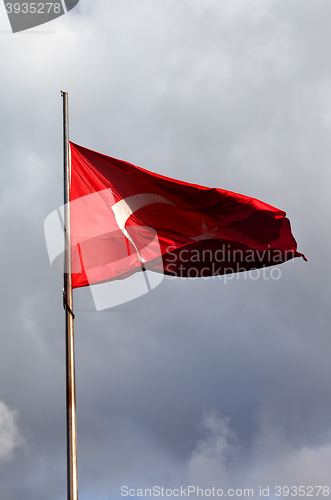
(72, 487)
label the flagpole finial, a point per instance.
(63, 93)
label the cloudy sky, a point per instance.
(211, 383)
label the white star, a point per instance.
(206, 235)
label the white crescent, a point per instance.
(126, 207)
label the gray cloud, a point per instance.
(10, 436)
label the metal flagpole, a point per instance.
(72, 488)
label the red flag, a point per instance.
(125, 219)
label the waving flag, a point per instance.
(125, 219)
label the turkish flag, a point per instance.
(125, 219)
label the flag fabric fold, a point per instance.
(126, 219)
